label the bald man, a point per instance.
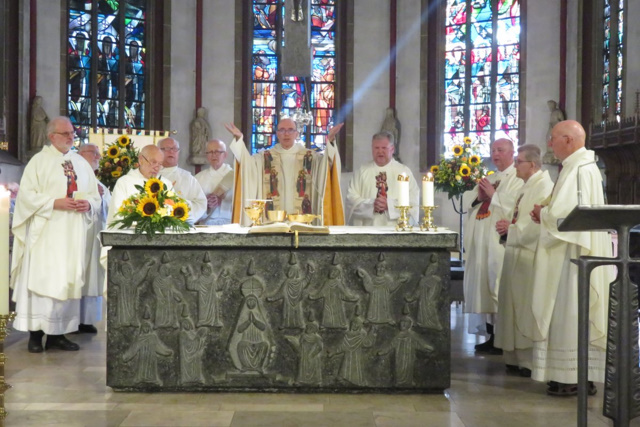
(217, 183)
(150, 160)
(555, 294)
(492, 200)
(183, 182)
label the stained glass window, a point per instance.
(273, 93)
(482, 72)
(106, 67)
(612, 58)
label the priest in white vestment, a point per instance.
(91, 303)
(373, 190)
(555, 286)
(184, 183)
(293, 177)
(150, 160)
(217, 184)
(54, 209)
(520, 235)
(491, 200)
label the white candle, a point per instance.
(427, 190)
(5, 196)
(403, 190)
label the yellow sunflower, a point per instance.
(434, 169)
(465, 170)
(181, 211)
(113, 151)
(116, 174)
(125, 160)
(147, 206)
(153, 185)
(124, 141)
(467, 140)
(474, 160)
(457, 150)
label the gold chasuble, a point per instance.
(297, 180)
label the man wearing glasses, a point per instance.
(294, 178)
(54, 209)
(217, 183)
(150, 159)
(183, 182)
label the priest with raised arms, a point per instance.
(295, 178)
(53, 212)
(373, 190)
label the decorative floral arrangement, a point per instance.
(461, 172)
(153, 210)
(117, 159)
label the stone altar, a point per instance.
(218, 309)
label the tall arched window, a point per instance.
(482, 71)
(107, 70)
(272, 93)
(612, 58)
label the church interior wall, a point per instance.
(631, 58)
(49, 58)
(572, 105)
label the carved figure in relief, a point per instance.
(144, 352)
(427, 294)
(404, 346)
(334, 294)
(352, 346)
(38, 128)
(380, 287)
(291, 292)
(309, 346)
(209, 289)
(251, 342)
(167, 297)
(192, 345)
(126, 281)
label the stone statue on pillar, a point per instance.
(392, 125)
(38, 126)
(556, 115)
(200, 135)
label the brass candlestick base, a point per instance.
(4, 331)
(403, 220)
(427, 220)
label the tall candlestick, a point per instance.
(427, 190)
(5, 196)
(403, 190)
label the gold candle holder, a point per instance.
(403, 221)
(427, 220)
(4, 331)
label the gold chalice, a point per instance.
(276, 215)
(254, 211)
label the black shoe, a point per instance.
(487, 347)
(60, 342)
(525, 372)
(35, 342)
(87, 329)
(513, 368)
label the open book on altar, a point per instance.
(284, 227)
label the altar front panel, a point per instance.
(227, 312)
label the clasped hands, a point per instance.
(485, 190)
(69, 204)
(213, 201)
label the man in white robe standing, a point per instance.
(491, 200)
(555, 286)
(520, 235)
(294, 178)
(184, 183)
(54, 209)
(217, 184)
(150, 160)
(373, 190)
(91, 303)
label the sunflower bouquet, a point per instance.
(117, 159)
(459, 171)
(153, 210)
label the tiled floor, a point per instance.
(68, 389)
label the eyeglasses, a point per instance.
(288, 131)
(211, 153)
(67, 134)
(519, 162)
(171, 149)
(153, 164)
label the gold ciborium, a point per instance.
(254, 211)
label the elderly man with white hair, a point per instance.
(217, 183)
